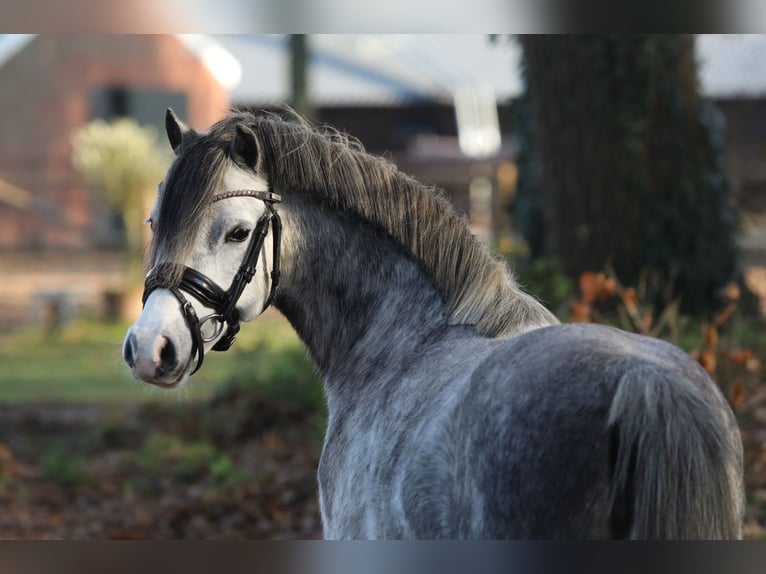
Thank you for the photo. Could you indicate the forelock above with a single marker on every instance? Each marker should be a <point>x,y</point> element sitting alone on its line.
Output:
<point>187,192</point>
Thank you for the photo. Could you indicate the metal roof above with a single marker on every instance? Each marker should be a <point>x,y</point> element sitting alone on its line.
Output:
<point>388,69</point>
<point>732,66</point>
<point>11,44</point>
<point>398,69</point>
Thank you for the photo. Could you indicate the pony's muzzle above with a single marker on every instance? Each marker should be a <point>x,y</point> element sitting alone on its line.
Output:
<point>151,361</point>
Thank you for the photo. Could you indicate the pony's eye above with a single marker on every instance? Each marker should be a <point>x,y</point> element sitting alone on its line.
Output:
<point>238,234</point>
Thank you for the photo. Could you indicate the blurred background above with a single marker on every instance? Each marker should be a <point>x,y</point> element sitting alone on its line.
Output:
<point>623,178</point>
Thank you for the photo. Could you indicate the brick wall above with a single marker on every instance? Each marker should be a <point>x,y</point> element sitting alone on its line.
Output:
<point>77,280</point>
<point>47,91</point>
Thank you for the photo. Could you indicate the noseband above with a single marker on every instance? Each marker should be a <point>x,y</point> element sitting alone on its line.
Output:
<point>207,292</point>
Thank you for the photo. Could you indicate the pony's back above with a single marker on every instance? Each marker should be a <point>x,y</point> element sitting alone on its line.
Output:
<point>591,432</point>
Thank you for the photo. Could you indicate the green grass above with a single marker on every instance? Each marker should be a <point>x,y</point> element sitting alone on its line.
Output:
<point>82,363</point>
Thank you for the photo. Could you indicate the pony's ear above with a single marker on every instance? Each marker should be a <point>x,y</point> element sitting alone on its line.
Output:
<point>244,148</point>
<point>175,129</point>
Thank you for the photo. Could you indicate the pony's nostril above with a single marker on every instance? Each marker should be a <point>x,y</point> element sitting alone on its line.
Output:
<point>128,352</point>
<point>168,358</point>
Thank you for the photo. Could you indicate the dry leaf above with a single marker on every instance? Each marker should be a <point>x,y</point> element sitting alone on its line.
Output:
<point>271,441</point>
<point>707,359</point>
<point>590,286</point>
<point>722,317</point>
<point>740,357</point>
<point>580,312</point>
<point>737,394</point>
<point>731,292</point>
<point>646,322</point>
<point>608,289</point>
<point>630,299</point>
<point>6,458</point>
<point>710,338</point>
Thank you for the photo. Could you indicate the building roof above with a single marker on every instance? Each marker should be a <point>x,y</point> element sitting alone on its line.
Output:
<point>733,65</point>
<point>11,44</point>
<point>397,69</point>
<point>390,69</point>
<point>219,61</point>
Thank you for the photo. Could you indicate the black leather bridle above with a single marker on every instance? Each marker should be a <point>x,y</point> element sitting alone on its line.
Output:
<point>207,292</point>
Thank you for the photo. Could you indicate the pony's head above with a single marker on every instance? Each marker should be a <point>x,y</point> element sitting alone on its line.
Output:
<point>211,254</point>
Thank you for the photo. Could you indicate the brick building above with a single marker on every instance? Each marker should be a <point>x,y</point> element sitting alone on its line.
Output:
<point>53,85</point>
<point>53,229</point>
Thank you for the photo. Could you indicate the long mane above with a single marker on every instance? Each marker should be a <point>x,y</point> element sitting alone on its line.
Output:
<point>477,288</point>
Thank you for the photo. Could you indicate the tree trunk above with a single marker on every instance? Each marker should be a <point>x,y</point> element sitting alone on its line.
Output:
<point>624,159</point>
<point>299,60</point>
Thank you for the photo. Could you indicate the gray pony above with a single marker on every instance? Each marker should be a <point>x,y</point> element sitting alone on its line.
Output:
<point>458,406</point>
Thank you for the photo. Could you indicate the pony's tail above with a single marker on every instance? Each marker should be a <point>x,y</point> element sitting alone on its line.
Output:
<point>677,459</point>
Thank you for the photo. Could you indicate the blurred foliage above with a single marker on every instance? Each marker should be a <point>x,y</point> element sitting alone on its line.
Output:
<point>527,206</point>
<point>542,277</point>
<point>276,371</point>
<point>60,463</point>
<point>125,162</point>
<point>122,158</point>
<point>621,164</point>
<point>272,363</point>
<point>187,461</point>
<point>730,346</point>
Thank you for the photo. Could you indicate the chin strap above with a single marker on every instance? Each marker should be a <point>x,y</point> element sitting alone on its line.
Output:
<point>207,291</point>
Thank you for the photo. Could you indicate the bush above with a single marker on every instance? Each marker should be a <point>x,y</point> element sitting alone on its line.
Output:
<point>727,346</point>
<point>61,464</point>
<point>187,461</point>
<point>542,277</point>
<point>277,371</point>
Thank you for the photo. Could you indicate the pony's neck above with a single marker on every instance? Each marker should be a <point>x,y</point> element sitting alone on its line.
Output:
<point>476,290</point>
<point>354,297</point>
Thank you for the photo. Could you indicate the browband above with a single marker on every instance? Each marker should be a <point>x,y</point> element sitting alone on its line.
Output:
<point>268,196</point>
